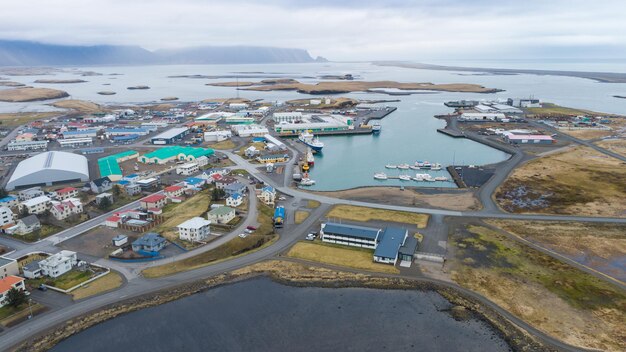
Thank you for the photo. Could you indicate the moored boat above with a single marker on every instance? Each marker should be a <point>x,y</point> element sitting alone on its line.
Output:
<point>307,182</point>
<point>404,178</point>
<point>441,178</point>
<point>403,166</point>
<point>311,141</point>
<point>376,128</point>
<point>380,176</point>
<point>391,166</point>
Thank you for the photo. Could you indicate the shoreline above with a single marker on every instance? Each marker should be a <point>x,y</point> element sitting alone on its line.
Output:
<point>291,274</point>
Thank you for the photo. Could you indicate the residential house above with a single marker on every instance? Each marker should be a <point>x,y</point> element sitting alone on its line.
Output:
<point>27,225</point>
<point>234,200</point>
<point>8,267</point>
<point>194,182</point>
<point>65,209</point>
<point>58,264</point>
<point>174,191</point>
<point>154,201</point>
<point>37,205</point>
<point>221,215</point>
<point>194,229</point>
<point>9,201</point>
<point>233,188</point>
<point>66,193</point>
<point>272,158</point>
<point>31,270</point>
<point>100,197</point>
<point>6,216</point>
<point>187,169</point>
<point>120,240</point>
<point>30,193</point>
<point>224,181</point>
<point>132,189</point>
<point>267,195</point>
<point>150,242</point>
<point>100,185</point>
<point>251,152</point>
<point>7,284</point>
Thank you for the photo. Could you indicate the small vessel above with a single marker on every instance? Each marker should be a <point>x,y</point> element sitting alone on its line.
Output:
<point>436,166</point>
<point>309,157</point>
<point>425,165</point>
<point>403,166</point>
<point>307,182</point>
<point>391,166</point>
<point>380,176</point>
<point>429,179</point>
<point>404,178</point>
<point>441,178</point>
<point>305,167</point>
<point>414,167</point>
<point>311,141</point>
<point>421,177</point>
<point>376,128</point>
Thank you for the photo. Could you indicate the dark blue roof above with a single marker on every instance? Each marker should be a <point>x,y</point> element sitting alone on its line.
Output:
<point>7,199</point>
<point>235,186</point>
<point>390,242</point>
<point>150,239</point>
<point>351,230</point>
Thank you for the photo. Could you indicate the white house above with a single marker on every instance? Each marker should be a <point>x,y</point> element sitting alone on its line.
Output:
<point>234,200</point>
<point>6,216</point>
<point>37,205</point>
<point>66,193</point>
<point>221,215</point>
<point>7,284</point>
<point>30,193</point>
<point>63,210</point>
<point>8,267</point>
<point>267,195</point>
<point>58,264</point>
<point>188,169</point>
<point>194,230</point>
<point>26,225</point>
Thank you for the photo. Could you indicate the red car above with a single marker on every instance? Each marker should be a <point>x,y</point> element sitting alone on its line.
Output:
<point>251,228</point>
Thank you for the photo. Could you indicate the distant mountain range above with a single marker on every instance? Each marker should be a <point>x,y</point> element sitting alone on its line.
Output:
<point>26,53</point>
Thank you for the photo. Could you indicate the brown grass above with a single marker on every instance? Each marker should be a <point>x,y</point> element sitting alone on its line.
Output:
<point>300,216</point>
<point>108,282</point>
<point>223,145</point>
<point>175,214</point>
<point>363,214</point>
<point>356,258</point>
<point>20,95</point>
<point>578,181</point>
<point>615,145</point>
<point>21,118</point>
<point>78,105</point>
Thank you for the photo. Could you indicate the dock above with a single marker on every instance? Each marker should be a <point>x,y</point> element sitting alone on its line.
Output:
<point>451,133</point>
<point>456,177</point>
<point>379,114</point>
<point>356,131</point>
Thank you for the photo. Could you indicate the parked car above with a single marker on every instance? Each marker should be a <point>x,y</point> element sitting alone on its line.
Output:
<point>42,287</point>
<point>251,228</point>
<point>310,237</point>
<point>248,231</point>
<point>243,235</point>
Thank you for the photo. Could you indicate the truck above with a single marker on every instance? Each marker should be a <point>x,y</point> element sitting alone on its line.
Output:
<point>279,216</point>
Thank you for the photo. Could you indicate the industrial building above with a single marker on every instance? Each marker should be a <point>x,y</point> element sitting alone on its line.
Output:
<point>15,145</point>
<point>109,166</point>
<point>390,244</point>
<point>289,117</point>
<point>163,155</point>
<point>278,143</point>
<point>528,139</point>
<point>170,136</point>
<point>49,168</point>
<point>249,130</point>
<point>316,123</point>
<point>79,134</point>
<point>477,116</point>
<point>76,142</point>
<point>217,136</point>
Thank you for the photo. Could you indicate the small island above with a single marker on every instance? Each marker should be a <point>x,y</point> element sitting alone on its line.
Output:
<point>11,84</point>
<point>60,81</point>
<point>106,92</point>
<point>21,95</point>
<point>620,96</point>
<point>138,87</point>
<point>169,99</point>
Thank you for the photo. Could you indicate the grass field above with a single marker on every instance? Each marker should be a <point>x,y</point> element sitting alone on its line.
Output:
<point>578,181</point>
<point>554,297</point>
<point>262,237</point>
<point>21,118</point>
<point>223,145</point>
<point>13,315</point>
<point>257,145</point>
<point>46,230</point>
<point>108,282</point>
<point>175,214</point>
<point>355,213</point>
<point>615,145</point>
<point>313,204</point>
<point>351,257</point>
<point>78,105</point>
<point>300,216</point>
<point>19,95</point>
<point>557,110</point>
<point>65,281</point>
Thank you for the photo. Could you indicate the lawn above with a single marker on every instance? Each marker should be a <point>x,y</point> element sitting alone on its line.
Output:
<point>553,109</point>
<point>351,257</point>
<point>108,282</point>
<point>261,238</point>
<point>312,204</point>
<point>223,145</point>
<point>45,231</point>
<point>65,281</point>
<point>177,213</point>
<point>364,214</point>
<point>10,316</point>
<point>257,145</point>
<point>301,215</point>
<point>552,296</point>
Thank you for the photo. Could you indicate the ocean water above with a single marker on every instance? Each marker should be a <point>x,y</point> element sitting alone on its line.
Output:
<point>260,315</point>
<point>409,134</point>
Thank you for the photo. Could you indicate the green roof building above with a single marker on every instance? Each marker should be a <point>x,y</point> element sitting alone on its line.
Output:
<point>163,155</point>
<point>109,165</point>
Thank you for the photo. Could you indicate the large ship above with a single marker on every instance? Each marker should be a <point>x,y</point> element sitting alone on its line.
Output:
<point>311,141</point>
<point>461,104</point>
<point>376,127</point>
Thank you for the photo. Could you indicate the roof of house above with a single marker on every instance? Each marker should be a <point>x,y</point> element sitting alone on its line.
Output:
<point>221,211</point>
<point>100,181</point>
<point>235,186</point>
<point>173,188</point>
<point>410,246</point>
<point>351,230</point>
<point>114,218</point>
<point>150,239</point>
<point>235,196</point>
<point>119,237</point>
<point>32,266</point>
<point>390,242</point>
<point>7,199</point>
<point>8,282</point>
<point>195,223</point>
<point>30,220</point>
<point>193,180</point>
<point>4,261</point>
<point>66,190</point>
<point>268,189</point>
<point>227,180</point>
<point>37,200</point>
<point>153,198</point>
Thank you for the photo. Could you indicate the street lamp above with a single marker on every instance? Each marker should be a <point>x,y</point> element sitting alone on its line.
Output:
<point>30,309</point>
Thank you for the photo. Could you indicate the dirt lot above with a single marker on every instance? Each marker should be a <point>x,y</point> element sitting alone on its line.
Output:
<point>588,133</point>
<point>455,200</point>
<point>615,145</point>
<point>98,241</point>
<point>554,297</point>
<point>598,246</point>
<point>578,181</point>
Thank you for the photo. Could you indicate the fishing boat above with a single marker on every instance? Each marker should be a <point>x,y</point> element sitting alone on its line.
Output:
<point>307,182</point>
<point>391,166</point>
<point>309,157</point>
<point>403,166</point>
<point>404,178</point>
<point>380,176</point>
<point>421,177</point>
<point>311,141</point>
<point>376,128</point>
<point>436,167</point>
<point>426,165</point>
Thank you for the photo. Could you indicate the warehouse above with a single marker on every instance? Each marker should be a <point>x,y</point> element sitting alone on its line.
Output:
<point>109,166</point>
<point>49,168</point>
<point>15,145</point>
<point>79,134</point>
<point>163,155</point>
<point>476,116</point>
<point>170,136</point>
<point>350,235</point>
<point>528,139</point>
<point>389,244</point>
<point>290,117</point>
<point>126,131</point>
<point>316,123</point>
<point>249,130</point>
<point>271,139</point>
<point>217,136</point>
<point>76,142</point>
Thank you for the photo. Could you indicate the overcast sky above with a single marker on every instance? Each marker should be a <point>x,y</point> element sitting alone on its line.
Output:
<point>338,30</point>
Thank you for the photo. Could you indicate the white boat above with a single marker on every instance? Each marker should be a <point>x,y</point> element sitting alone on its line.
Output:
<point>376,128</point>
<point>421,177</point>
<point>441,178</point>
<point>404,178</point>
<point>391,166</point>
<point>429,179</point>
<point>311,141</point>
<point>307,182</point>
<point>414,167</point>
<point>380,176</point>
<point>436,167</point>
<point>403,166</point>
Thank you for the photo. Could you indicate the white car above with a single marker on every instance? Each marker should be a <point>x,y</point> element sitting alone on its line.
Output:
<point>310,237</point>
<point>243,235</point>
